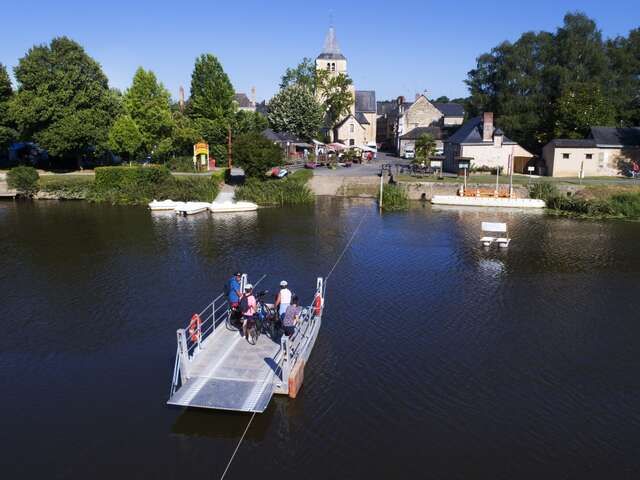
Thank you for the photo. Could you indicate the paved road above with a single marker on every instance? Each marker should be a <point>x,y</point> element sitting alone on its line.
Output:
<point>361,170</point>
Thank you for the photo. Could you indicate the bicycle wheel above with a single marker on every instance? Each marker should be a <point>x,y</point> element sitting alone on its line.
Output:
<point>253,334</point>
<point>229,320</point>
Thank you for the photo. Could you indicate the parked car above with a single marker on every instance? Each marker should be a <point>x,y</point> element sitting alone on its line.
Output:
<point>409,153</point>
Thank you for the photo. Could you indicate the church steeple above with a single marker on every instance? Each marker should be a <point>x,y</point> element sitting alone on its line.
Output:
<point>331,50</point>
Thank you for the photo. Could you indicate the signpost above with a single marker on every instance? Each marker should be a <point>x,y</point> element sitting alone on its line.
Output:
<point>464,166</point>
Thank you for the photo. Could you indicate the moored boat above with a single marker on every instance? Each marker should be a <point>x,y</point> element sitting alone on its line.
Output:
<point>230,206</point>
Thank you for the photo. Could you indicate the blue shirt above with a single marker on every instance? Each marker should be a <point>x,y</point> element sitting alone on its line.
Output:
<point>234,288</point>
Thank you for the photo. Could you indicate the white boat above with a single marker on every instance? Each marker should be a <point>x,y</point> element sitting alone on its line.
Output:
<point>157,206</point>
<point>191,208</point>
<point>488,201</point>
<point>229,206</point>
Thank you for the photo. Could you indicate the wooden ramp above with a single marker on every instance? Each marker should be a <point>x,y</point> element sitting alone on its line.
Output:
<point>228,373</point>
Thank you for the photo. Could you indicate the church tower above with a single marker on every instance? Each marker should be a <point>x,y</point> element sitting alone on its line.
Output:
<point>331,59</point>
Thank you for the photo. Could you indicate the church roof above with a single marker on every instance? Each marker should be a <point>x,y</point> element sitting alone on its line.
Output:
<point>366,101</point>
<point>331,48</point>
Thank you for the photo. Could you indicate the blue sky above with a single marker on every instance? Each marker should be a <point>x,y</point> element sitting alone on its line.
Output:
<point>395,48</point>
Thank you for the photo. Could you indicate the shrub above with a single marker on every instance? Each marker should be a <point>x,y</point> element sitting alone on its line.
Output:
<point>184,189</point>
<point>543,190</point>
<point>288,191</point>
<point>67,187</point>
<point>180,164</point>
<point>394,198</point>
<point>130,185</point>
<point>255,154</point>
<point>24,179</point>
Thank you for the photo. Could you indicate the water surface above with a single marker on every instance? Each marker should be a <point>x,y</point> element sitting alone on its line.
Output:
<point>436,359</point>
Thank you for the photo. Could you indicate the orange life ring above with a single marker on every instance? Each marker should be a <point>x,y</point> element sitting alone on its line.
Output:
<point>317,303</point>
<point>194,327</point>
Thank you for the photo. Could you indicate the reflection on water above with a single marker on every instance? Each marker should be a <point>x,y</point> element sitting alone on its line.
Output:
<point>435,354</point>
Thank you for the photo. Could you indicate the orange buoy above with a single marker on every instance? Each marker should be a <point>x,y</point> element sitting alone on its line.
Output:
<point>194,327</point>
<point>317,304</point>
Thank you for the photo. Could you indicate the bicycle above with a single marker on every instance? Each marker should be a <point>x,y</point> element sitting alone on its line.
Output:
<point>263,321</point>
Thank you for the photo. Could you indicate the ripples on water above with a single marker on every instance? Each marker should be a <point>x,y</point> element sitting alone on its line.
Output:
<point>437,358</point>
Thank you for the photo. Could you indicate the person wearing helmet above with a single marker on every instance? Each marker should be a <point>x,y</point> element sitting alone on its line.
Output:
<point>247,307</point>
<point>283,300</point>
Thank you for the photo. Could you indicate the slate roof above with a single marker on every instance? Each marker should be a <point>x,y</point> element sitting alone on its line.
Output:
<point>414,134</point>
<point>344,120</point>
<point>366,101</point>
<point>612,136</point>
<point>243,100</point>
<point>450,109</point>
<point>572,143</point>
<point>282,137</point>
<point>471,133</point>
<point>362,120</point>
<point>386,107</point>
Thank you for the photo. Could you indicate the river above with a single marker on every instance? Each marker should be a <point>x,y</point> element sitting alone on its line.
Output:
<point>436,359</point>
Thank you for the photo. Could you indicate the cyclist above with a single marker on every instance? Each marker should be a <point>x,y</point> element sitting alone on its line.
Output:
<point>247,308</point>
<point>283,300</point>
<point>291,317</point>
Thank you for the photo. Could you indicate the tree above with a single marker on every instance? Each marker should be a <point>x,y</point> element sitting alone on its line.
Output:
<point>295,109</point>
<point>425,147</point>
<point>249,122</point>
<point>184,135</point>
<point>8,134</point>
<point>148,104</point>
<point>125,138</point>
<point>211,104</point>
<point>304,75</point>
<point>63,100</point>
<point>255,154</point>
<point>581,106</point>
<point>335,94</point>
<point>442,99</point>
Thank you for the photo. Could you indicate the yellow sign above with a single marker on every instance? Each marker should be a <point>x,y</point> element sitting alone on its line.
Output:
<point>201,149</point>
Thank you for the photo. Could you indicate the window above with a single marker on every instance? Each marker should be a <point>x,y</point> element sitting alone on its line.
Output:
<point>352,142</point>
<point>588,156</point>
<point>328,66</point>
<point>352,128</point>
<point>333,67</point>
<point>565,156</point>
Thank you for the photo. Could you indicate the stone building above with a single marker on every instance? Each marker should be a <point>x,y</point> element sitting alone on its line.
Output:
<point>398,120</point>
<point>359,126</point>
<point>482,145</point>
<point>607,151</point>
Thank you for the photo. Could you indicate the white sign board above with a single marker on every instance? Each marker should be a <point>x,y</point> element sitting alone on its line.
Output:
<point>531,169</point>
<point>436,163</point>
<point>494,227</point>
<point>463,165</point>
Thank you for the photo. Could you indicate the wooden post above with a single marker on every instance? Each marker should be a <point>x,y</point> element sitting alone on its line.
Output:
<point>381,188</point>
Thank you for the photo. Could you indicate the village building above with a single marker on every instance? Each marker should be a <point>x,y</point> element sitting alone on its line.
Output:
<point>358,127</point>
<point>243,102</point>
<point>481,145</point>
<point>400,123</point>
<point>607,151</point>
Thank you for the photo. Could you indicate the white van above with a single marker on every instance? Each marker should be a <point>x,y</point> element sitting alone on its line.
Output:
<point>409,153</point>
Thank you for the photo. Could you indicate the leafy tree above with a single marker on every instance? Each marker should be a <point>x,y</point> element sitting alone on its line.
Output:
<point>184,135</point>
<point>304,75</point>
<point>580,107</point>
<point>8,134</point>
<point>148,104</point>
<point>336,95</point>
<point>624,55</point>
<point>246,122</point>
<point>425,147</point>
<point>295,109</point>
<point>125,138</point>
<point>211,104</point>
<point>63,100</point>
<point>255,154</point>
<point>442,99</point>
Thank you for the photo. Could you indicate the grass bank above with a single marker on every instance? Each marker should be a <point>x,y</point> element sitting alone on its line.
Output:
<point>292,190</point>
<point>595,202</point>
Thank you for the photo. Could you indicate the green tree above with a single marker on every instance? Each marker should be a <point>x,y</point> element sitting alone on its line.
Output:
<point>581,106</point>
<point>255,154</point>
<point>442,99</point>
<point>295,109</point>
<point>211,104</point>
<point>148,104</point>
<point>247,122</point>
<point>63,101</point>
<point>425,147</point>
<point>125,138</point>
<point>335,92</point>
<point>185,134</point>
<point>24,179</point>
<point>8,134</point>
<point>304,75</point>
<point>624,55</point>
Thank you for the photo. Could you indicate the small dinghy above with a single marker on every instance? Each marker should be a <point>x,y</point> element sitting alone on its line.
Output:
<point>191,208</point>
<point>157,206</point>
<point>229,206</point>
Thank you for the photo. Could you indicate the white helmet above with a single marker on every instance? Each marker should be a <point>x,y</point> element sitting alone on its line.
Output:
<point>248,286</point>
<point>283,283</point>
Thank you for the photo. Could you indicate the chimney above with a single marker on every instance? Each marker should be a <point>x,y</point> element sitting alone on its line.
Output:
<point>487,127</point>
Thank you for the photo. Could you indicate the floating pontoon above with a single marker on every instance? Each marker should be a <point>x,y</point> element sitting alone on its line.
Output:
<point>217,368</point>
